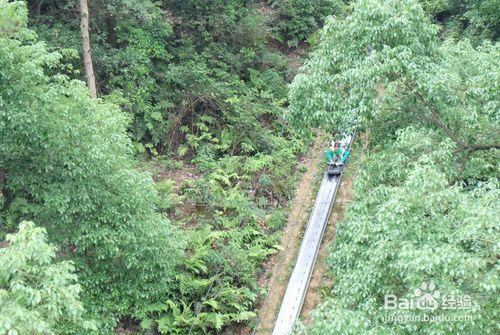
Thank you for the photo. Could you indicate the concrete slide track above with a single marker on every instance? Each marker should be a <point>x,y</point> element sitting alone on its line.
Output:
<point>301,275</point>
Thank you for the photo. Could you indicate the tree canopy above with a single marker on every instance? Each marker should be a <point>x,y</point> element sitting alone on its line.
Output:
<point>66,163</point>
<point>427,195</point>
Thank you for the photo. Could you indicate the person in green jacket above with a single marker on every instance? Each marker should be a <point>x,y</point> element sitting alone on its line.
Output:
<point>329,154</point>
<point>345,152</point>
<point>336,154</point>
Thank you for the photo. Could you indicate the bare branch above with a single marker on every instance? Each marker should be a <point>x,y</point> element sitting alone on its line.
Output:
<point>478,147</point>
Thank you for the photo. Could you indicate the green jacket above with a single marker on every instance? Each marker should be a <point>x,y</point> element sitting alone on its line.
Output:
<point>331,154</point>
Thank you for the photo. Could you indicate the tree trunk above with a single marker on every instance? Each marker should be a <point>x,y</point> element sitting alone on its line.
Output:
<point>87,58</point>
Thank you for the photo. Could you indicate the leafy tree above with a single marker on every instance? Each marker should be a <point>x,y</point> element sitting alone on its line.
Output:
<point>68,157</point>
<point>407,226</point>
<point>388,54</point>
<point>128,52</point>
<point>37,294</point>
<point>427,196</point>
<point>373,45</point>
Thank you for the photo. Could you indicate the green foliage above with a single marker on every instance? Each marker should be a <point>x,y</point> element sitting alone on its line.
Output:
<point>396,73</point>
<point>68,156</point>
<point>170,69</point>
<point>238,210</point>
<point>168,199</point>
<point>233,210</point>
<point>12,18</point>
<point>198,86</point>
<point>407,226</point>
<point>129,58</point>
<point>427,195</point>
<point>298,19</point>
<point>474,19</point>
<point>37,294</point>
<point>378,42</point>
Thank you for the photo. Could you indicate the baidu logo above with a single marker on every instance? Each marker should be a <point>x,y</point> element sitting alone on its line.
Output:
<point>427,297</point>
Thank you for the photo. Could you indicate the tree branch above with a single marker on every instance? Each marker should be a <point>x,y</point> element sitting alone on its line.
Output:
<point>436,120</point>
<point>478,147</point>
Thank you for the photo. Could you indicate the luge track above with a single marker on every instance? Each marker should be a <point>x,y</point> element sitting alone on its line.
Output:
<point>299,280</point>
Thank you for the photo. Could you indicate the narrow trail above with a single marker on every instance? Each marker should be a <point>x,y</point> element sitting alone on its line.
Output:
<point>279,267</point>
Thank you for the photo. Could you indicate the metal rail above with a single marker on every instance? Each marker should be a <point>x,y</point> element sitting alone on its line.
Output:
<point>296,290</point>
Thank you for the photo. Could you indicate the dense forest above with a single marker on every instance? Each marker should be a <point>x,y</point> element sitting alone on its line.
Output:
<point>149,151</point>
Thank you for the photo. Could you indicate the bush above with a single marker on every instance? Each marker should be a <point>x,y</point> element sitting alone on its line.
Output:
<point>38,295</point>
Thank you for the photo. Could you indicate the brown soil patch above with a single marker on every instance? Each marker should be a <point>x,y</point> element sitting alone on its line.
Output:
<point>179,174</point>
<point>321,281</point>
<point>278,267</point>
<point>266,10</point>
<point>178,177</point>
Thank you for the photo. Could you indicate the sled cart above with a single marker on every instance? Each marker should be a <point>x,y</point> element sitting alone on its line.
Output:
<point>334,169</point>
